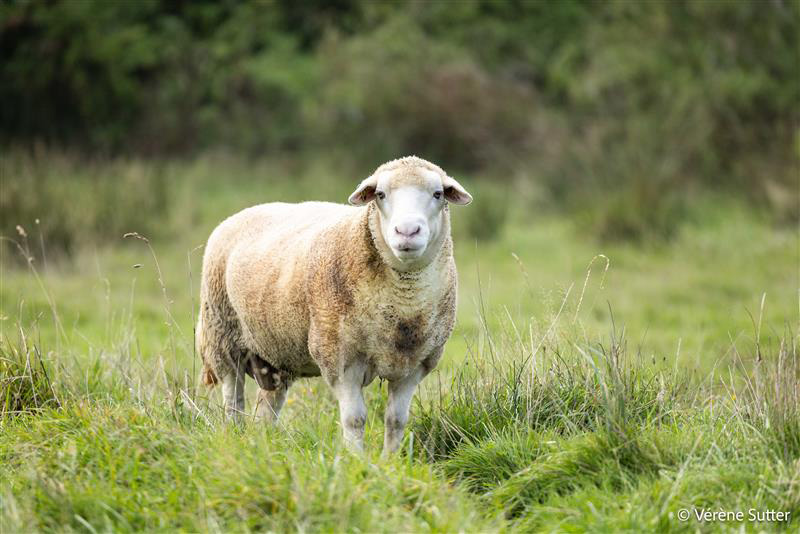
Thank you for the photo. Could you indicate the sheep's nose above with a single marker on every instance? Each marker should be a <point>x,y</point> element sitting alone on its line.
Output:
<point>407,229</point>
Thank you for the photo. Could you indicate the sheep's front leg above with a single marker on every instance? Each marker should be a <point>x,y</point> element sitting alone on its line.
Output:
<point>352,409</point>
<point>400,395</point>
<point>270,402</point>
<point>233,392</point>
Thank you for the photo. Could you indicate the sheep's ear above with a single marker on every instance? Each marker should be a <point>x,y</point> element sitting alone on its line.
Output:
<point>454,193</point>
<point>365,192</point>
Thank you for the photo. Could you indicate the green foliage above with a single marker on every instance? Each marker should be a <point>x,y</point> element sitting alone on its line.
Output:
<point>396,90</point>
<point>147,76</point>
<point>589,97</point>
<point>667,96</point>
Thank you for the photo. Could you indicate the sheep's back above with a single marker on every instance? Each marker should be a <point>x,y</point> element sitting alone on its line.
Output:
<point>266,272</point>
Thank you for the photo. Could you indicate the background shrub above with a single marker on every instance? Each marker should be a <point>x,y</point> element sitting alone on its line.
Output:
<point>395,91</point>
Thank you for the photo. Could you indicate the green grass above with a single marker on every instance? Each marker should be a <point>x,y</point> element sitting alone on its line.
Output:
<point>588,438</point>
<point>563,403</point>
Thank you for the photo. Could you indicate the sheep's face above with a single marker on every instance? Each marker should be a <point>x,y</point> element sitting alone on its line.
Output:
<point>410,202</point>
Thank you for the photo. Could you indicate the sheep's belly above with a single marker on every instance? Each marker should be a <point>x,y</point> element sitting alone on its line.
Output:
<point>284,348</point>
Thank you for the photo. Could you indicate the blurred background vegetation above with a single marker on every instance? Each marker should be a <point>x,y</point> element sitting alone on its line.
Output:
<point>618,111</point>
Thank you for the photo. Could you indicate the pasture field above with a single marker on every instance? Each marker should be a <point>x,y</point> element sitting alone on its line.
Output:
<point>589,386</point>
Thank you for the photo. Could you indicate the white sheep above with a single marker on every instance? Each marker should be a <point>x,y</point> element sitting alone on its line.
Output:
<point>349,293</point>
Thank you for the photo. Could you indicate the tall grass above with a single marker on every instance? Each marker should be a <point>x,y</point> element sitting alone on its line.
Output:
<point>553,385</point>
<point>25,379</point>
<point>769,400</point>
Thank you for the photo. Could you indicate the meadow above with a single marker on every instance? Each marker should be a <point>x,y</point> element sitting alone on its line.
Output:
<point>590,384</point>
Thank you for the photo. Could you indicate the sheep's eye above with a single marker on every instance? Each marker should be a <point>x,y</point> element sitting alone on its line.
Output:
<point>381,195</point>
<point>437,195</point>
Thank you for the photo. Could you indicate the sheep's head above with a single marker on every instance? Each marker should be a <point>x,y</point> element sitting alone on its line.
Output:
<point>410,195</point>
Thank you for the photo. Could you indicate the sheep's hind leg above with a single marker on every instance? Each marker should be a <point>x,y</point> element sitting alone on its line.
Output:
<point>273,387</point>
<point>270,402</point>
<point>233,392</point>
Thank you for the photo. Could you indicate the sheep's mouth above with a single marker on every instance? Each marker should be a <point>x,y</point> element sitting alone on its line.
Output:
<point>408,252</point>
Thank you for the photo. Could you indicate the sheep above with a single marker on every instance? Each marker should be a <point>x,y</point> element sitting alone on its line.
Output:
<point>343,292</point>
